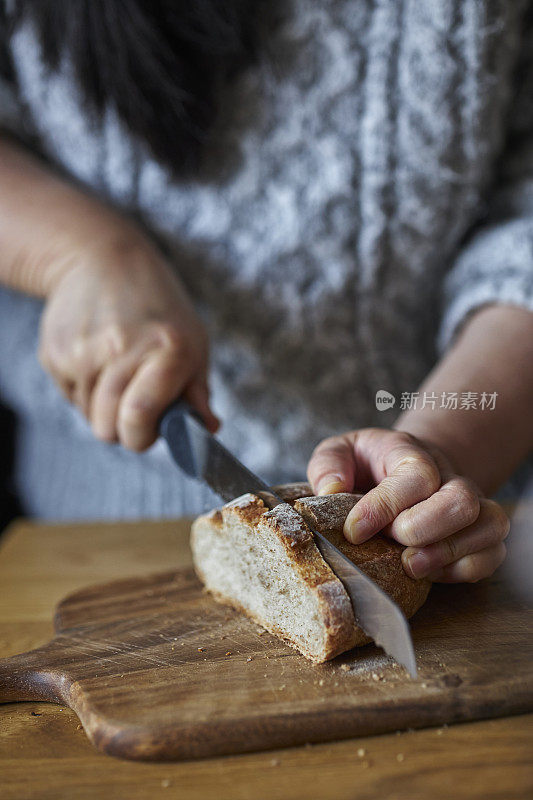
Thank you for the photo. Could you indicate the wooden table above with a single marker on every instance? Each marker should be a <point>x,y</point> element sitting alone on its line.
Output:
<point>44,752</point>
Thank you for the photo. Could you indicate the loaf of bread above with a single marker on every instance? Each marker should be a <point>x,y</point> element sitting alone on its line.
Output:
<point>265,563</point>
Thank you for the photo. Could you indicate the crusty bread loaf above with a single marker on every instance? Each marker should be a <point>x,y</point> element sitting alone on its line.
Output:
<point>266,563</point>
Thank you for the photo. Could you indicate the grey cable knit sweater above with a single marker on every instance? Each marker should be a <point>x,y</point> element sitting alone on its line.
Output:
<point>364,196</point>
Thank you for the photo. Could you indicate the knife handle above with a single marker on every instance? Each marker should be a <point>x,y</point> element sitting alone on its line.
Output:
<point>173,428</point>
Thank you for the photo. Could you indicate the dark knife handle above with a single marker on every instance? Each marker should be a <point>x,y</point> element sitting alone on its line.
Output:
<point>173,428</point>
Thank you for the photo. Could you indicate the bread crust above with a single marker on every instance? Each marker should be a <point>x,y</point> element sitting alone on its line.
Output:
<point>380,558</point>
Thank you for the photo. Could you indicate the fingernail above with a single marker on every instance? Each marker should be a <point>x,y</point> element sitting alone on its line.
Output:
<point>418,565</point>
<point>330,487</point>
<point>357,529</point>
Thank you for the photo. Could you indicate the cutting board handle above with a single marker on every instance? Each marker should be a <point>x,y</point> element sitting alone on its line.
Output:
<point>31,676</point>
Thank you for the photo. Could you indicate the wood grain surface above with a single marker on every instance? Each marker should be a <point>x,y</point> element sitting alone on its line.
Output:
<point>156,670</point>
<point>44,752</point>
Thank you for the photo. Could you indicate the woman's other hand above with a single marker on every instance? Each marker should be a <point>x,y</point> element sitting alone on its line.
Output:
<point>451,532</point>
<point>118,334</point>
<point>122,340</point>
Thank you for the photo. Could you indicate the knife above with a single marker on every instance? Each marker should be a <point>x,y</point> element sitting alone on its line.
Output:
<point>201,455</point>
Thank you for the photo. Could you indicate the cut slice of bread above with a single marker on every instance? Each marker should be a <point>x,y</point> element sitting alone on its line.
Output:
<point>265,562</point>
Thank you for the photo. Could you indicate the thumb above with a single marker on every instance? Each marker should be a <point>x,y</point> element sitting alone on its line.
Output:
<point>331,468</point>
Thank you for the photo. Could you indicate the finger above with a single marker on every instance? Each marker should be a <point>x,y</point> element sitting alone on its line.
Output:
<point>473,567</point>
<point>331,468</point>
<point>76,368</point>
<point>411,476</point>
<point>65,387</point>
<point>81,395</point>
<point>197,395</point>
<point>158,380</point>
<point>113,380</point>
<point>105,399</point>
<point>124,357</point>
<point>453,507</point>
<point>75,391</point>
<point>490,528</point>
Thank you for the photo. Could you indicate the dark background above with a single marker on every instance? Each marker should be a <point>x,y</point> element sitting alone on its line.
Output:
<point>9,507</point>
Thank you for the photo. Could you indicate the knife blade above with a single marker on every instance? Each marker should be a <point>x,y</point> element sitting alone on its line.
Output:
<point>201,455</point>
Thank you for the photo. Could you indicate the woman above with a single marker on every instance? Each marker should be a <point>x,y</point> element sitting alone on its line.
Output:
<point>334,206</point>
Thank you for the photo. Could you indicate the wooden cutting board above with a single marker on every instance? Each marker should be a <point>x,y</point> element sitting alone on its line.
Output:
<point>156,670</point>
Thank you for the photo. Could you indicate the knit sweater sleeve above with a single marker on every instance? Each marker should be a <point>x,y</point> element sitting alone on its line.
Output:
<point>495,263</point>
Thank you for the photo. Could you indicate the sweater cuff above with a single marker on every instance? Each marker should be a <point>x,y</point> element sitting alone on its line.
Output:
<point>516,290</point>
<point>497,268</point>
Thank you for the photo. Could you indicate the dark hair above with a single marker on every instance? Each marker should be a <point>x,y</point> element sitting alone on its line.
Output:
<point>159,63</point>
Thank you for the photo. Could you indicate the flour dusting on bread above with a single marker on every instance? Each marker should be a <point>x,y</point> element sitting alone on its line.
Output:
<point>265,562</point>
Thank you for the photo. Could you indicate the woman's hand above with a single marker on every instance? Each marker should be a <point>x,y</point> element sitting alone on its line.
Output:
<point>122,340</point>
<point>451,532</point>
<point>118,334</point>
